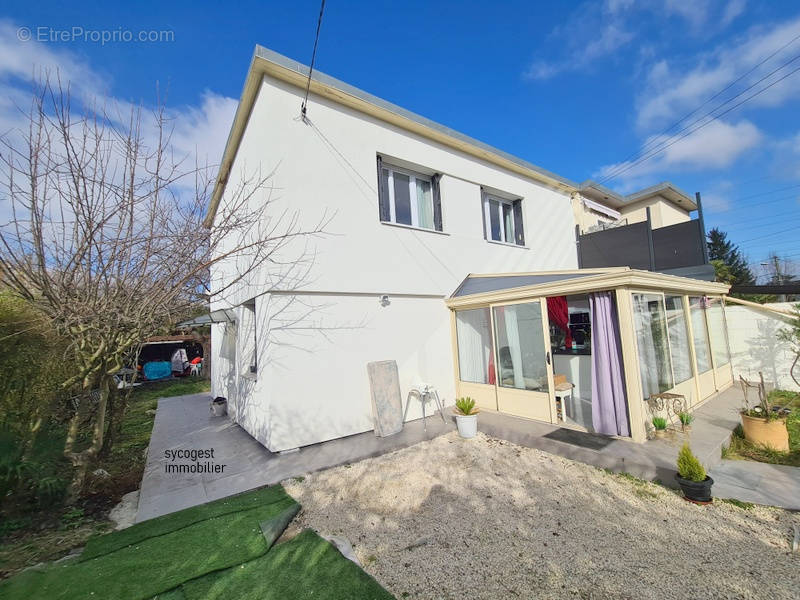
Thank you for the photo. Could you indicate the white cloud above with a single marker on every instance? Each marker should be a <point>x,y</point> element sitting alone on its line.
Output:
<point>671,90</point>
<point>695,12</point>
<point>595,31</point>
<point>202,131</point>
<point>716,203</point>
<point>787,157</point>
<point>732,10</point>
<point>588,35</point>
<point>199,132</point>
<point>717,145</point>
<point>199,128</point>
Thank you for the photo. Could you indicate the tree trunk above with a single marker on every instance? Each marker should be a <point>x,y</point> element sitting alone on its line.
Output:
<point>82,460</point>
<point>117,406</point>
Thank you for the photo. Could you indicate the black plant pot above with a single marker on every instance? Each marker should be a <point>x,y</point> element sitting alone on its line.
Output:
<point>696,491</point>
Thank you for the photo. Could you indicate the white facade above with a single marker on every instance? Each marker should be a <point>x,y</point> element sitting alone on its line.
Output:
<point>662,212</point>
<point>310,383</point>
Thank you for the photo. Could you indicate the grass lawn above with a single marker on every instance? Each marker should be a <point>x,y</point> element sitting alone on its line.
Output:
<point>27,538</point>
<point>126,461</point>
<point>741,449</point>
<point>222,549</point>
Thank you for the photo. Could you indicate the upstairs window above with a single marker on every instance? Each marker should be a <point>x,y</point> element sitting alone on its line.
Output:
<point>502,220</point>
<point>409,198</point>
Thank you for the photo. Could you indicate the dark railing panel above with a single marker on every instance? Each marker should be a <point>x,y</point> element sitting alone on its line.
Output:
<point>678,246</point>
<point>619,247</point>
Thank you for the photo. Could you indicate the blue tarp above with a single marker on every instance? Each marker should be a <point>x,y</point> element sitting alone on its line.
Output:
<point>157,370</point>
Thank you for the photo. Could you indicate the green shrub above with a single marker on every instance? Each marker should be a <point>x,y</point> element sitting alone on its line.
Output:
<point>689,466</point>
<point>33,363</point>
<point>660,423</point>
<point>685,418</point>
<point>466,406</point>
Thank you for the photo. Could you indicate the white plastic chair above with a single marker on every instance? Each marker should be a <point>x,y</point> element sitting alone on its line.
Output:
<point>424,394</point>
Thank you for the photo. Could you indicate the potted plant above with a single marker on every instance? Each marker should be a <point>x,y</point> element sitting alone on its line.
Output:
<point>660,425</point>
<point>692,477</point>
<point>686,419</point>
<point>466,417</point>
<point>762,424</point>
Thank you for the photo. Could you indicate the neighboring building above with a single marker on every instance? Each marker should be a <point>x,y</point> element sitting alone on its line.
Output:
<point>651,229</point>
<point>597,207</point>
<point>415,207</point>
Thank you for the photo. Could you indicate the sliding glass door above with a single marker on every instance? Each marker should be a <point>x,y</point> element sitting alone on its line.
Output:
<point>524,373</point>
<point>476,371</point>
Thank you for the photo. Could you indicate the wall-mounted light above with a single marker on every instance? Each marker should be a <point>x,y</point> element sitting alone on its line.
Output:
<point>384,300</point>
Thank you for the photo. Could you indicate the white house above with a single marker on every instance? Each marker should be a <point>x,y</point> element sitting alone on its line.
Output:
<point>415,207</point>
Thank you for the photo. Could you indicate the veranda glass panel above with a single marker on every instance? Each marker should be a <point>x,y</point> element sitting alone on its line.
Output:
<point>678,339</point>
<point>700,333</point>
<point>521,361</point>
<point>651,337</point>
<point>402,199</point>
<point>474,336</point>
<point>719,332</point>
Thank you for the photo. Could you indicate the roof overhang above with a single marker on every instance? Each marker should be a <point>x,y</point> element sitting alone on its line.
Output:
<point>666,190</point>
<point>671,193</point>
<point>268,63</point>
<point>622,277</point>
<point>225,315</point>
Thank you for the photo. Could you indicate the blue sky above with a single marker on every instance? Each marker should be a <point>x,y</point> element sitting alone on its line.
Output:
<point>577,88</point>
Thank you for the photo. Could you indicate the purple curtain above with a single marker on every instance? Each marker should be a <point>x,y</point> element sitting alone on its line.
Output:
<point>609,405</point>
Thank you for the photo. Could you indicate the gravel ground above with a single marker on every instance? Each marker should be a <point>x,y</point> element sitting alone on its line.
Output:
<point>484,518</point>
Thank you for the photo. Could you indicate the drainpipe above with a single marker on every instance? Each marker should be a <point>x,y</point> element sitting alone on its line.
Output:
<point>578,244</point>
<point>650,241</point>
<point>702,223</point>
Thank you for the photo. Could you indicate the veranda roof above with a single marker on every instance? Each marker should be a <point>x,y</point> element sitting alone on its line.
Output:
<point>482,289</point>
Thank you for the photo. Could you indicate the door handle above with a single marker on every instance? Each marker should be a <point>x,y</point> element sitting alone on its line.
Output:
<point>547,356</point>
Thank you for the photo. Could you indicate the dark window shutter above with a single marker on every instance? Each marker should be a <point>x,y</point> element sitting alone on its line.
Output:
<point>437,202</point>
<point>384,211</point>
<point>520,231</point>
<point>483,212</point>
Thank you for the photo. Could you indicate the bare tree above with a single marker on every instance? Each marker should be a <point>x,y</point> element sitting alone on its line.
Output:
<point>106,238</point>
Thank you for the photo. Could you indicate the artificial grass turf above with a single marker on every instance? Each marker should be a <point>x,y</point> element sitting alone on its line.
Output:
<point>164,524</point>
<point>305,567</point>
<point>157,564</point>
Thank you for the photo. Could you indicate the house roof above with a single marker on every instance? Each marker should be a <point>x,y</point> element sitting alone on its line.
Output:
<point>483,289</point>
<point>665,189</point>
<point>477,284</point>
<point>268,62</point>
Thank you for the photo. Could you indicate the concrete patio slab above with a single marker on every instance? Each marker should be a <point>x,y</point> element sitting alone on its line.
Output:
<point>655,459</point>
<point>759,483</point>
<point>185,423</point>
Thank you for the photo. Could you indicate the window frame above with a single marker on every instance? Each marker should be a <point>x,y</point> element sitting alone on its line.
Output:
<point>248,360</point>
<point>488,198</point>
<point>413,176</point>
